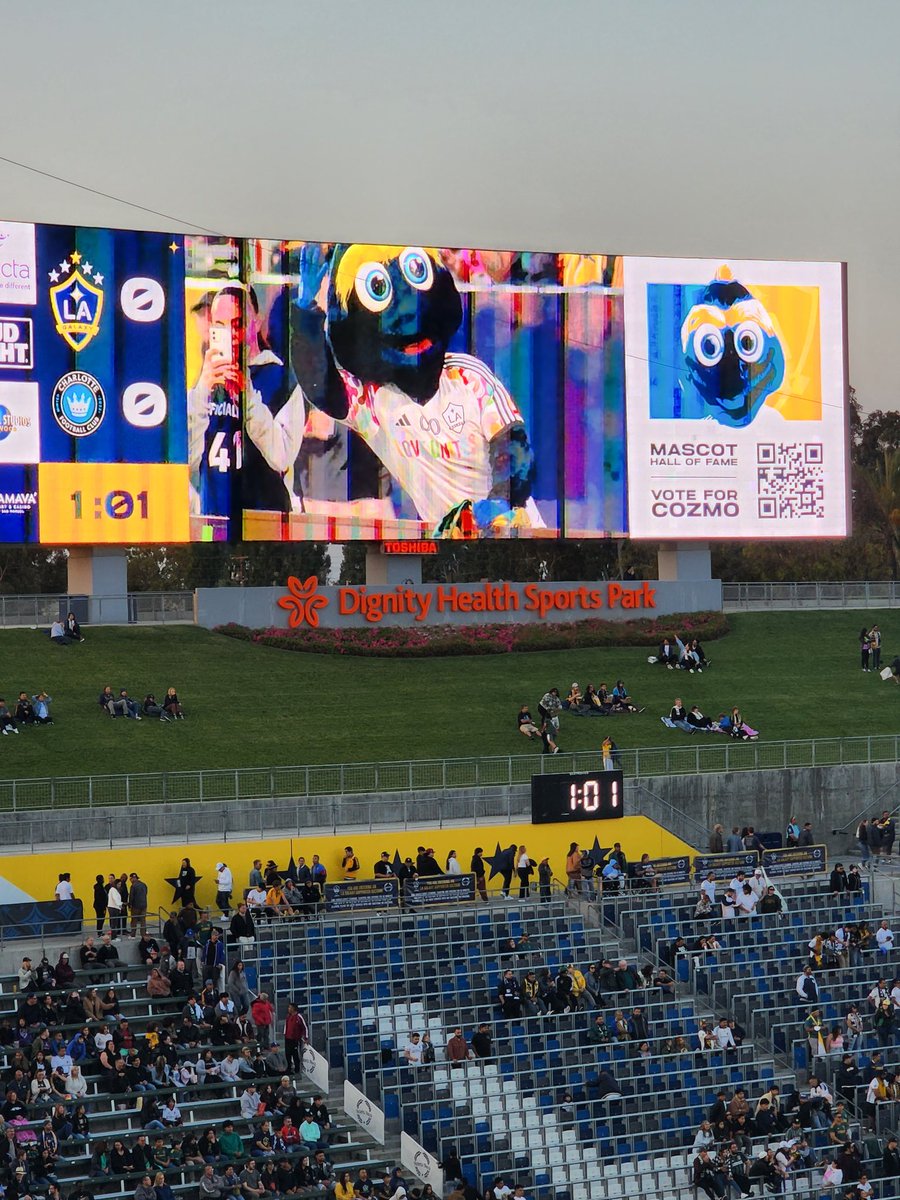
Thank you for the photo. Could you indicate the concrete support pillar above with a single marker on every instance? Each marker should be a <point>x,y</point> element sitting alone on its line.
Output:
<point>100,573</point>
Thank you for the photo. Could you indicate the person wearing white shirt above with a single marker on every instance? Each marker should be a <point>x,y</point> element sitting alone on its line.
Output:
<point>758,883</point>
<point>833,1175</point>
<point>723,1036</point>
<point>709,887</point>
<point>64,889</point>
<point>884,937</point>
<point>256,898</point>
<point>453,867</point>
<point>102,1039</point>
<point>224,888</point>
<point>170,1113</point>
<point>114,909</point>
<point>747,900</point>
<point>729,906</point>
<point>878,993</point>
<point>413,1050</point>
<point>737,884</point>
<point>62,1062</point>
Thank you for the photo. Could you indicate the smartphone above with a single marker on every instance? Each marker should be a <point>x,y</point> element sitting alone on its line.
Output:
<point>220,341</point>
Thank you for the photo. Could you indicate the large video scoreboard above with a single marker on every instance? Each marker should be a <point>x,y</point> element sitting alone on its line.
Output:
<point>162,388</point>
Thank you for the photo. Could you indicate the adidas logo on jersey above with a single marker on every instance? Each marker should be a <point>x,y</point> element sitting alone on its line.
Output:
<point>404,420</point>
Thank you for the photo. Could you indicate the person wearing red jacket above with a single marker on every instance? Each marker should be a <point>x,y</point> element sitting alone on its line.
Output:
<point>262,1014</point>
<point>295,1033</point>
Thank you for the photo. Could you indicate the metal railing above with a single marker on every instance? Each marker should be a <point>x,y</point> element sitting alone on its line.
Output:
<point>434,775</point>
<point>133,608</point>
<point>862,594</point>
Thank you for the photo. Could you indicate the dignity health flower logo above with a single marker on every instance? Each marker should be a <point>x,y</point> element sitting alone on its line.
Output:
<point>303,602</point>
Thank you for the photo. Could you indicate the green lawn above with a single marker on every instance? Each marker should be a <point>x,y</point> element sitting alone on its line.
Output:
<point>793,674</point>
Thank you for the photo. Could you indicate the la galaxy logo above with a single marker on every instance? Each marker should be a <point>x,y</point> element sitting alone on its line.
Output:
<point>79,404</point>
<point>77,303</point>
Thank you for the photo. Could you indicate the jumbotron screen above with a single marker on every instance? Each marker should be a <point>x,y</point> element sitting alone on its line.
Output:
<point>159,388</point>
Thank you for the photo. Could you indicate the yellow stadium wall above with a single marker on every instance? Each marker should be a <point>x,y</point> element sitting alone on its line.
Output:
<point>36,874</point>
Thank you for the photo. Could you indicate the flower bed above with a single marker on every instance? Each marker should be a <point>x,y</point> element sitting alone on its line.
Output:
<point>423,641</point>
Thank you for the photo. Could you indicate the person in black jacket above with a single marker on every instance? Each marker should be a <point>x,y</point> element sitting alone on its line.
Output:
<point>242,925</point>
<point>507,868</point>
<point>100,902</point>
<point>187,883</point>
<point>708,1177</point>
<point>478,870</point>
<point>890,1159</point>
<point>510,995</point>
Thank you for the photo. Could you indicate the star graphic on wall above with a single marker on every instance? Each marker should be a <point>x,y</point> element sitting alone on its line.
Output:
<point>64,267</point>
<point>176,889</point>
<point>397,862</point>
<point>496,861</point>
<point>174,247</point>
<point>54,276</point>
<point>87,268</point>
<point>98,278</point>
<point>291,872</point>
<point>598,853</point>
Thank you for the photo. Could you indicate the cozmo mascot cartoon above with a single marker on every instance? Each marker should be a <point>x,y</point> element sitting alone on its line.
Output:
<point>732,354</point>
<point>441,423</point>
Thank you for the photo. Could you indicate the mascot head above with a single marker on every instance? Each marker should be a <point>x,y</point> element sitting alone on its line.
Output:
<point>733,355</point>
<point>392,311</point>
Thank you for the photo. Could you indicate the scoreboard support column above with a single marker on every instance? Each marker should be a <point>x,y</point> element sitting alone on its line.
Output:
<point>686,562</point>
<point>101,574</point>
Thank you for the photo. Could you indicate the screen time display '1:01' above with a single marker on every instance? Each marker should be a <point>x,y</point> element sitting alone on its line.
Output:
<point>585,796</point>
<point>118,505</point>
<point>114,503</point>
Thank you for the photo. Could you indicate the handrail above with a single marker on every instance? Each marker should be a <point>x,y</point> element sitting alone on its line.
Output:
<point>871,806</point>
<point>409,778</point>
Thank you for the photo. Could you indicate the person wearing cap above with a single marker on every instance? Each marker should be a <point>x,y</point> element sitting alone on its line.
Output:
<point>224,888</point>
<point>27,981</point>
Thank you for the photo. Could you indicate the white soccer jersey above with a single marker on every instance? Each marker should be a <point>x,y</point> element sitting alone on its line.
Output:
<point>437,451</point>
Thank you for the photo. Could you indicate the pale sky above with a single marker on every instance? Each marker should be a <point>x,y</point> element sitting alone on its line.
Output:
<point>705,127</point>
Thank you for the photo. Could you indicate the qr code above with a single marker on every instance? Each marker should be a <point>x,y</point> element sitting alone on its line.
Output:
<point>790,480</point>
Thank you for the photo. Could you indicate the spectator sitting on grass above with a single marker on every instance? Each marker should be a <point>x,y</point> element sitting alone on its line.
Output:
<point>526,724</point>
<point>131,708</point>
<point>73,629</point>
<point>24,710</point>
<point>58,634</point>
<point>107,700</point>
<point>150,708</point>
<point>696,719</point>
<point>7,723</point>
<point>172,705</point>
<point>622,702</point>
<point>42,704</point>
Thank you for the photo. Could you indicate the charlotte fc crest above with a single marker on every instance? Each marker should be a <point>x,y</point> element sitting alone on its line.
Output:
<point>77,303</point>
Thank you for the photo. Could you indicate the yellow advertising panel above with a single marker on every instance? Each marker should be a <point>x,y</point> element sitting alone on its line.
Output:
<point>158,865</point>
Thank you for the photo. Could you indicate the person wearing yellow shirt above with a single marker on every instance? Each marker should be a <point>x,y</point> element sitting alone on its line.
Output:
<point>579,988</point>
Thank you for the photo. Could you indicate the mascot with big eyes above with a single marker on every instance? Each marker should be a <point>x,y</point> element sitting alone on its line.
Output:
<point>441,423</point>
<point>732,353</point>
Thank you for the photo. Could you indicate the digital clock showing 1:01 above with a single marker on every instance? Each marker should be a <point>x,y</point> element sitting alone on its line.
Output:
<point>118,505</point>
<point>577,796</point>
